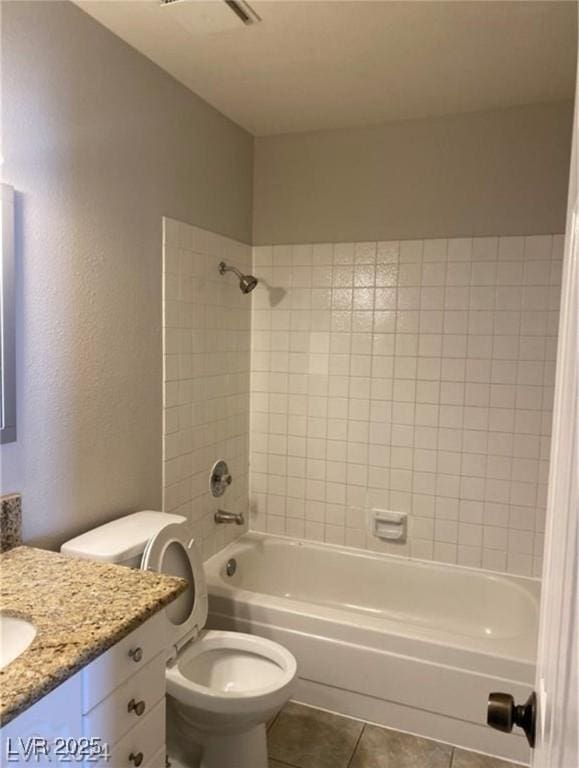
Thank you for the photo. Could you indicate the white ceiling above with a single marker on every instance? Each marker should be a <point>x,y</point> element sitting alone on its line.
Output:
<point>313,64</point>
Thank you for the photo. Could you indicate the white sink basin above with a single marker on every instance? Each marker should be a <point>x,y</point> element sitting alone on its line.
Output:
<point>15,637</point>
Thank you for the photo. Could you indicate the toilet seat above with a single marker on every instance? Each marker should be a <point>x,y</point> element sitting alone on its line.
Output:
<point>173,551</point>
<point>197,676</point>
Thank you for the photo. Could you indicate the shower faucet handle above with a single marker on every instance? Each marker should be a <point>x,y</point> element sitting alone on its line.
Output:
<point>224,479</point>
<point>220,478</point>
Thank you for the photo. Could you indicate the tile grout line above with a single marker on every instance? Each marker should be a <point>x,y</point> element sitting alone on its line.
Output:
<point>452,757</point>
<point>359,739</point>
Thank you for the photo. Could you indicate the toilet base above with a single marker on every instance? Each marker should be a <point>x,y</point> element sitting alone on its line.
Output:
<point>189,746</point>
<point>245,749</point>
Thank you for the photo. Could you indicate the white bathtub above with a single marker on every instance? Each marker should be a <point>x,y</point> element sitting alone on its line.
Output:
<point>412,645</point>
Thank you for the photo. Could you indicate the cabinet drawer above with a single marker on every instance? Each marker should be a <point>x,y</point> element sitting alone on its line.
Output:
<point>143,742</point>
<point>112,718</point>
<point>122,660</point>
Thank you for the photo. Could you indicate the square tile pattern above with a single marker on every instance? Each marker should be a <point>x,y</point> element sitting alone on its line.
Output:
<point>206,354</point>
<point>303,737</point>
<point>414,376</point>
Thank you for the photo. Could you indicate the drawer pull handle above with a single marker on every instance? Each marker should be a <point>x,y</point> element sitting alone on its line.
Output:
<point>138,707</point>
<point>136,654</point>
<point>136,759</point>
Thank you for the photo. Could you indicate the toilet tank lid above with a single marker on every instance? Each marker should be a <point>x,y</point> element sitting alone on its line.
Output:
<point>121,539</point>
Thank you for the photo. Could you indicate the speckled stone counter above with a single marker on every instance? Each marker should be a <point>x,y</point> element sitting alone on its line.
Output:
<point>80,609</point>
<point>10,521</point>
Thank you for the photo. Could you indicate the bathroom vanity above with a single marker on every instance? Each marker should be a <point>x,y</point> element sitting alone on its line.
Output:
<point>90,687</point>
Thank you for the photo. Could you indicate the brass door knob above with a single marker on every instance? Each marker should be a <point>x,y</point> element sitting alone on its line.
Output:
<point>503,714</point>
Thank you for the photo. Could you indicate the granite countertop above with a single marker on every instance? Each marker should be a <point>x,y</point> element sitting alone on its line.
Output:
<point>80,609</point>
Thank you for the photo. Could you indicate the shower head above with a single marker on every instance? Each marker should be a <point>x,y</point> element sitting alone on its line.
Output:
<point>246,282</point>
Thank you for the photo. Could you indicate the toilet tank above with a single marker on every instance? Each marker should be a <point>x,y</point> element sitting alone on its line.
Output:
<point>121,541</point>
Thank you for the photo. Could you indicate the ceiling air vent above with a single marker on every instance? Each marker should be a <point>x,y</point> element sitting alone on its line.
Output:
<point>209,14</point>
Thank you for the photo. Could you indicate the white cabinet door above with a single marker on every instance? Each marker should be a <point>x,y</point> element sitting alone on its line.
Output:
<point>33,738</point>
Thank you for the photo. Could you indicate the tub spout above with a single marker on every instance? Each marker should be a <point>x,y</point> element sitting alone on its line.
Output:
<point>221,516</point>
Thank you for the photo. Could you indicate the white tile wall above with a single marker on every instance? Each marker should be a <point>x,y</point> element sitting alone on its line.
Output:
<point>206,345</point>
<point>413,376</point>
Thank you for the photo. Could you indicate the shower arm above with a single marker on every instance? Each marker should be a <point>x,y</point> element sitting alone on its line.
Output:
<point>223,268</point>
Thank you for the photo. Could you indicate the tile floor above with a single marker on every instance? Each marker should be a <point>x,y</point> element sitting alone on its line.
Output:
<point>302,737</point>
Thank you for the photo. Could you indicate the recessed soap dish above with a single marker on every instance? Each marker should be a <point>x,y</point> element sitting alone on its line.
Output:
<point>388,525</point>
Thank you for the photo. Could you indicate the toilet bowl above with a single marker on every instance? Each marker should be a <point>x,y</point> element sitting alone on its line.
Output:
<point>222,687</point>
<point>243,677</point>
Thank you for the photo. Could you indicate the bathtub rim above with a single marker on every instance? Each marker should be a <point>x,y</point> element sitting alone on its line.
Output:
<point>373,555</point>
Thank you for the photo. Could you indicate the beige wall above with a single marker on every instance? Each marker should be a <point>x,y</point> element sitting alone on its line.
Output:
<point>491,173</point>
<point>99,144</point>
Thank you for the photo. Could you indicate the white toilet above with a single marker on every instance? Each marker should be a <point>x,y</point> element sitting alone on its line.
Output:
<point>222,686</point>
